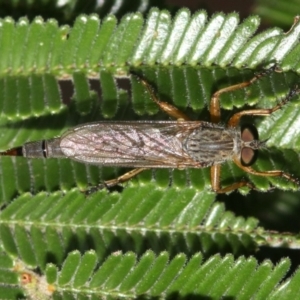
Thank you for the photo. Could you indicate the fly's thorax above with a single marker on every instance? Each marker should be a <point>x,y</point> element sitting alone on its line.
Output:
<point>213,145</point>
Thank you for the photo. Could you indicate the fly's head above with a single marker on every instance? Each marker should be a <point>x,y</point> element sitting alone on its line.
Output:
<point>250,144</point>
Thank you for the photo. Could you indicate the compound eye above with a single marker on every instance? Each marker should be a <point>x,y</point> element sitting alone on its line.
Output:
<point>249,133</point>
<point>248,155</point>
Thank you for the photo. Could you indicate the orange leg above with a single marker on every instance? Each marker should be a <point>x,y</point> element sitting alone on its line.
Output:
<point>215,110</point>
<point>164,106</point>
<point>215,173</point>
<point>110,183</point>
<point>235,119</point>
<point>272,173</point>
<point>123,178</point>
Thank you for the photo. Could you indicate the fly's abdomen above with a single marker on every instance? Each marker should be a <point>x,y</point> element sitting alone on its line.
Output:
<point>43,149</point>
<point>211,145</point>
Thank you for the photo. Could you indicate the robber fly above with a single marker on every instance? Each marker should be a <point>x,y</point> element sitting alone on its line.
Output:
<point>164,144</point>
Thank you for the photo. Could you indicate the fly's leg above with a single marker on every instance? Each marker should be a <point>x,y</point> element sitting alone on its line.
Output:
<point>215,173</point>
<point>123,178</point>
<point>272,173</point>
<point>110,183</point>
<point>235,119</point>
<point>215,110</point>
<point>164,106</point>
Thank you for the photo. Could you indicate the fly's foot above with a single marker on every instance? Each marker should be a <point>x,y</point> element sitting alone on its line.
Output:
<point>268,71</point>
<point>92,189</point>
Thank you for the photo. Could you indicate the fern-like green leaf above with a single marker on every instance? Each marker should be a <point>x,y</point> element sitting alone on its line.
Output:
<point>122,276</point>
<point>36,227</point>
<point>277,12</point>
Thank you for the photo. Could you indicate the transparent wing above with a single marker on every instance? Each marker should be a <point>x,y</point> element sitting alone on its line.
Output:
<point>131,144</point>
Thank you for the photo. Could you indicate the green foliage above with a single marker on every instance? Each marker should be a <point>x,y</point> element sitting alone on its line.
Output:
<point>278,12</point>
<point>66,11</point>
<point>139,218</point>
<point>123,276</point>
<point>71,246</point>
